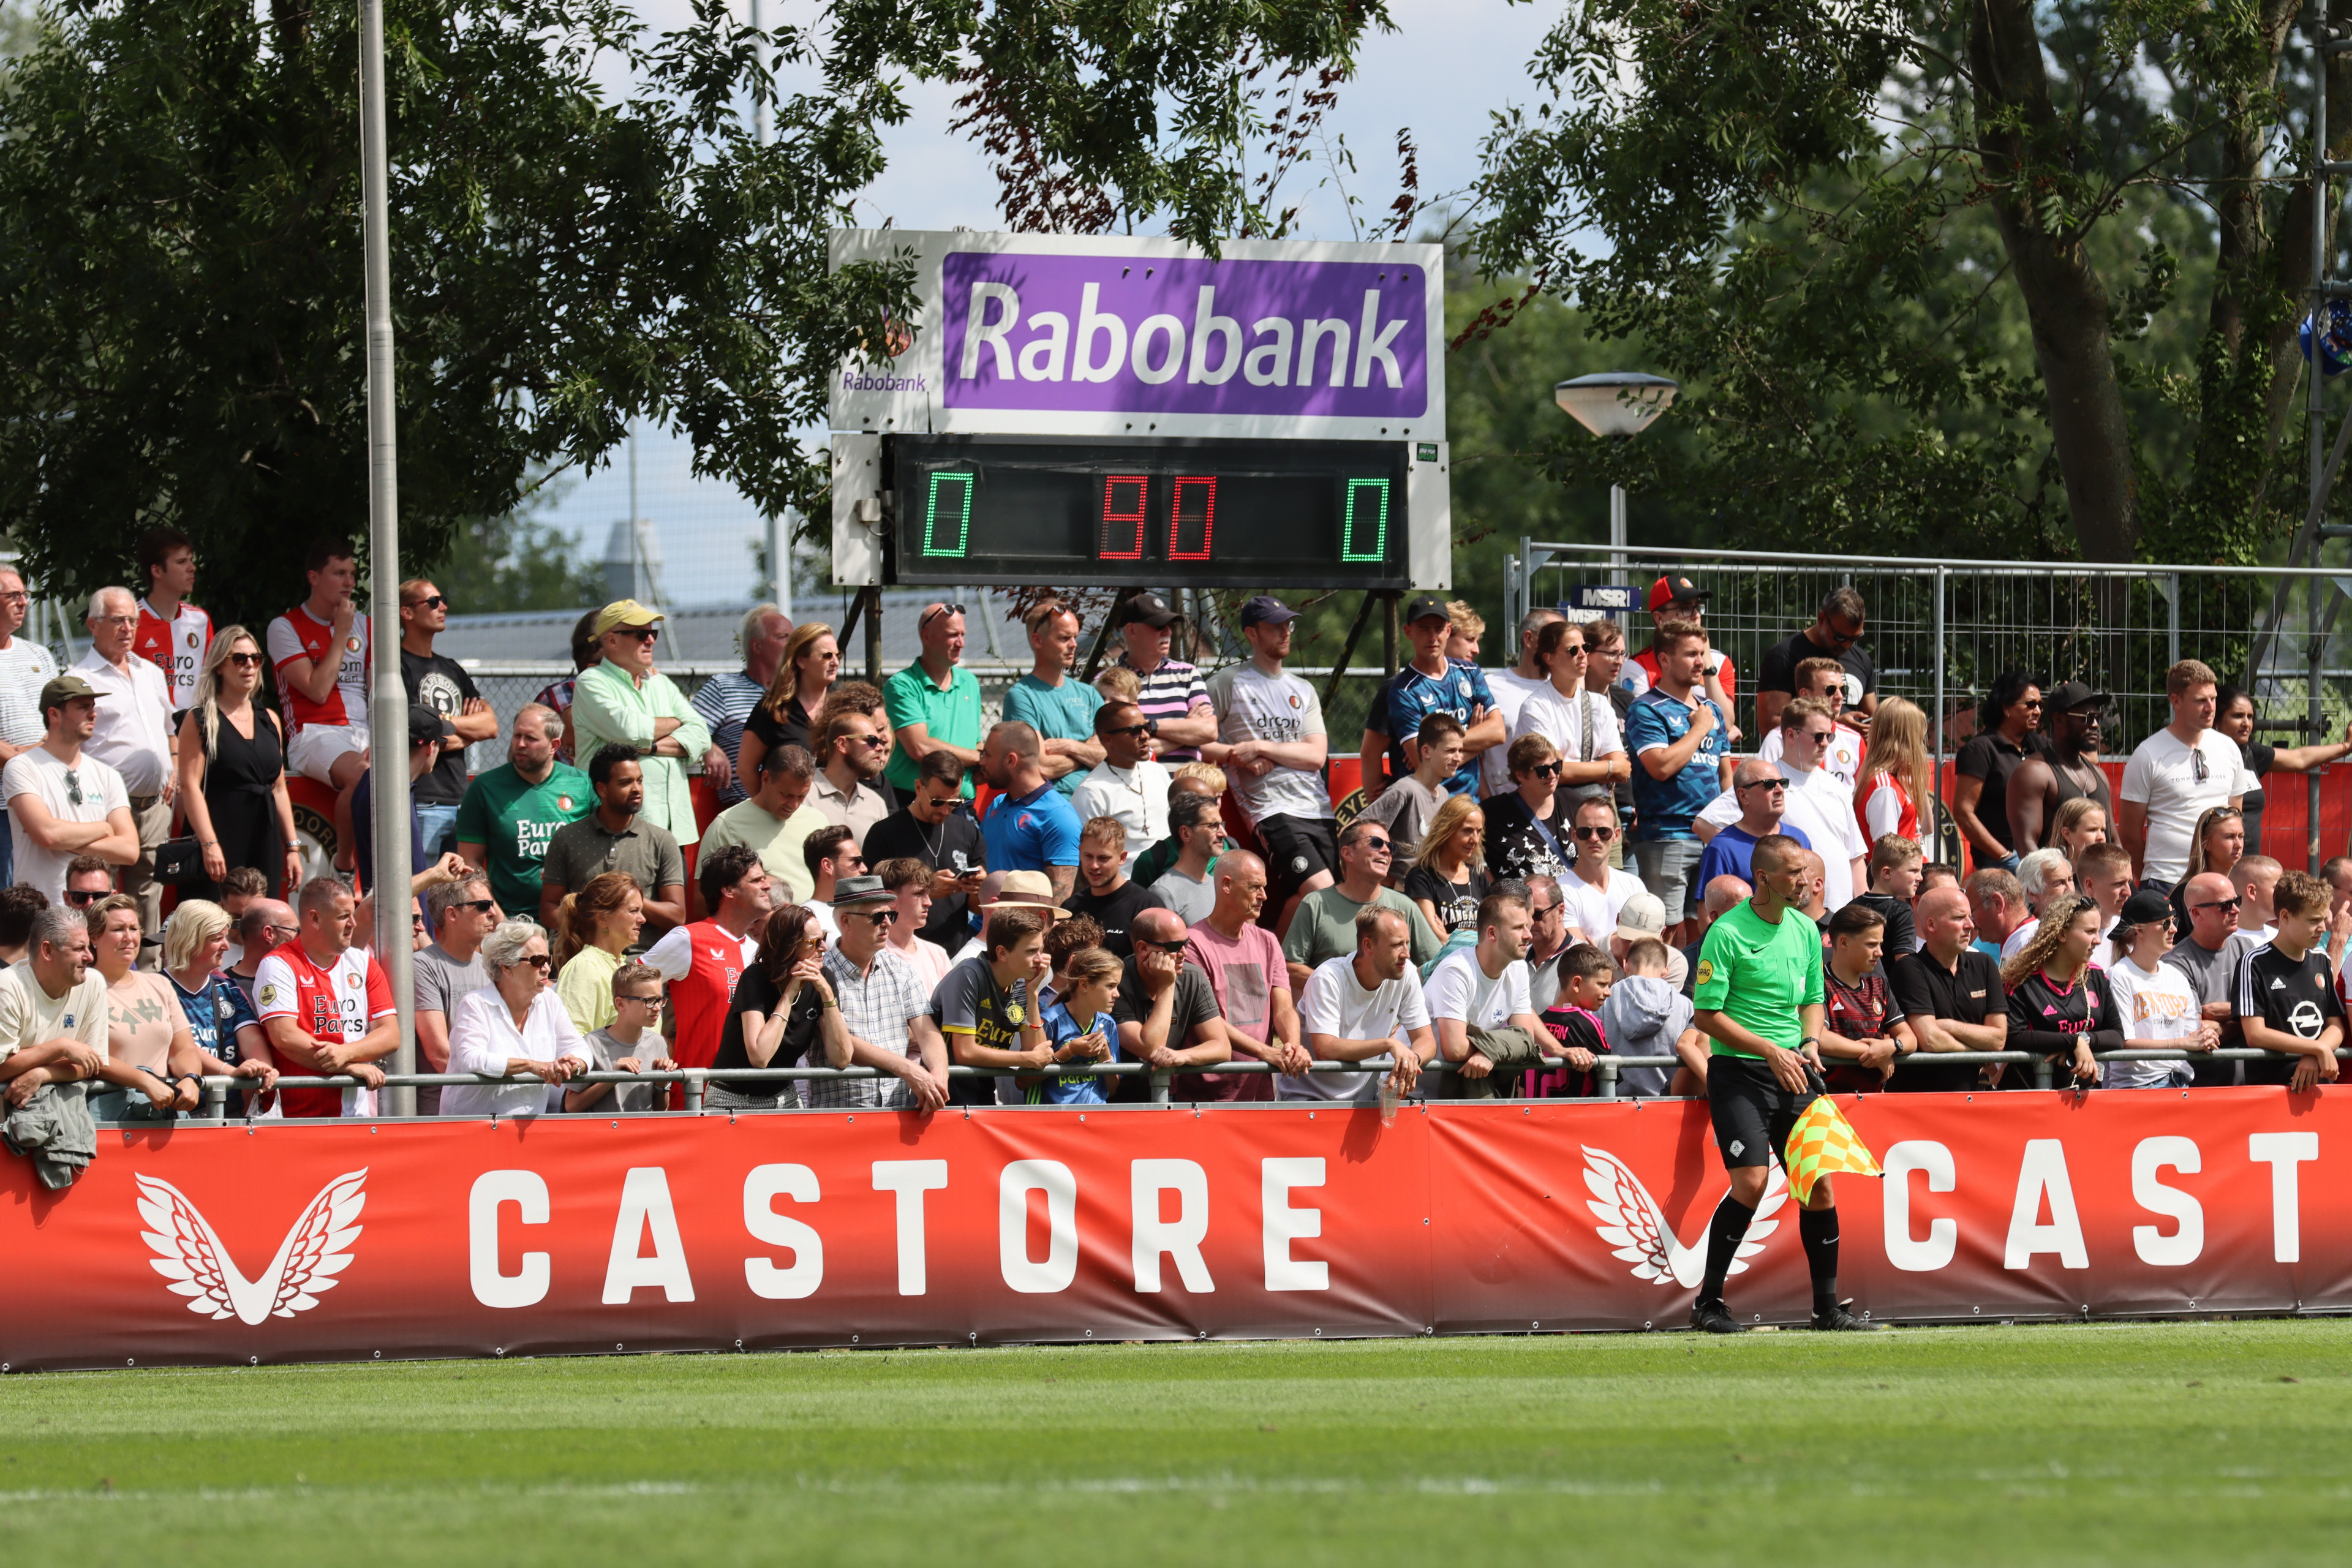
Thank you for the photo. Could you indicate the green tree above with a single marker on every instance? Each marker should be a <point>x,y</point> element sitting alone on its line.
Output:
<point>516,560</point>
<point>2002,278</point>
<point>180,250</point>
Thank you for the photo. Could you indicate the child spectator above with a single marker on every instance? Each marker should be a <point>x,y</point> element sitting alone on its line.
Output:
<point>1078,1027</point>
<point>1646,1017</point>
<point>1574,1020</point>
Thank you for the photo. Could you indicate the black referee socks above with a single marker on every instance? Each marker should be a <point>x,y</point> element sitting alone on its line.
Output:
<point>1819,1227</point>
<point>1724,1234</point>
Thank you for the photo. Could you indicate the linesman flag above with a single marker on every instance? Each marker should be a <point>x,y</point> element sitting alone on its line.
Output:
<point>1821,1142</point>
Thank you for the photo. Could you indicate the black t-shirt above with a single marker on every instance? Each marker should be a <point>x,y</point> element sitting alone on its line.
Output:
<point>1517,845</point>
<point>2259,760</point>
<point>791,730</point>
<point>1988,756</point>
<point>2047,1018</point>
<point>1195,1004</point>
<point>1902,935</point>
<point>1777,669</point>
<point>968,1001</point>
<point>2295,996</point>
<point>1569,1026</point>
<point>758,994</point>
<point>440,684</point>
<point>1864,1012</point>
<point>1968,993</point>
<point>1456,902</point>
<point>955,844</point>
<point>1116,914</point>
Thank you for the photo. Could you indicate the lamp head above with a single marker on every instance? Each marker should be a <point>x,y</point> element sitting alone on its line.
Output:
<point>1617,401</point>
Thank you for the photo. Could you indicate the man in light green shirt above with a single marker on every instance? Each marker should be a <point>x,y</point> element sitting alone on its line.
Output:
<point>775,821</point>
<point>626,700</point>
<point>934,702</point>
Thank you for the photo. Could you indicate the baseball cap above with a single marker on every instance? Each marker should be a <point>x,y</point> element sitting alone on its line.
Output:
<point>1265,610</point>
<point>1673,590</point>
<point>425,725</point>
<point>1149,608</point>
<point>2069,695</point>
<point>625,613</point>
<point>1642,916</point>
<point>1428,605</point>
<point>2145,908</point>
<point>64,689</point>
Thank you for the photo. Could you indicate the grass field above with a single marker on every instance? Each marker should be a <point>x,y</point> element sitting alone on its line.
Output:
<point>2170,1443</point>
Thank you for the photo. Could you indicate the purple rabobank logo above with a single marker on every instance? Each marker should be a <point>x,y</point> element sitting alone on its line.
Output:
<point>1156,334</point>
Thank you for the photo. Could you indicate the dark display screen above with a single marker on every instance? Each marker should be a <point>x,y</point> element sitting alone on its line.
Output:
<point>1179,514</point>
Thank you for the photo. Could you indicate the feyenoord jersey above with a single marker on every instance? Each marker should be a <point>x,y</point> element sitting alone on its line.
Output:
<point>336,1003</point>
<point>701,983</point>
<point>299,633</point>
<point>175,646</point>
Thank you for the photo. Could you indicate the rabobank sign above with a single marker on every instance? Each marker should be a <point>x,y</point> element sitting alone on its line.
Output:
<point>1038,332</point>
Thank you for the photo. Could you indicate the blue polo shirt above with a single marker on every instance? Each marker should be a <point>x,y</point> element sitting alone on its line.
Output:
<point>1665,806</point>
<point>1410,697</point>
<point>1064,712</point>
<point>1732,853</point>
<point>1033,832</point>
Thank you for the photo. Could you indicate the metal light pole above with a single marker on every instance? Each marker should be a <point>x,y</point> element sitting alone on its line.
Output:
<point>388,698</point>
<point>1620,405</point>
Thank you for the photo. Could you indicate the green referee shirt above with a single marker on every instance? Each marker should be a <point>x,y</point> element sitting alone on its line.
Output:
<point>1760,974</point>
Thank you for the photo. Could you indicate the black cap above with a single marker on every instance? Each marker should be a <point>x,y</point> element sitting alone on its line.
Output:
<point>1149,608</point>
<point>1265,610</point>
<point>425,725</point>
<point>2070,695</point>
<point>1428,605</point>
<point>2145,908</point>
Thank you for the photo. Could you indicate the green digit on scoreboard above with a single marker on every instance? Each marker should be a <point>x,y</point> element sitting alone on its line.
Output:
<point>1364,534</point>
<point>955,491</point>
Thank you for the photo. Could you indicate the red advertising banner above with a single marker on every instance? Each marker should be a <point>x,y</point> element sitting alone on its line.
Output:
<point>291,1242</point>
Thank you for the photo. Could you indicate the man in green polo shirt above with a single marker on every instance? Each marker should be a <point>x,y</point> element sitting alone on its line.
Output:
<point>508,814</point>
<point>1759,991</point>
<point>934,702</point>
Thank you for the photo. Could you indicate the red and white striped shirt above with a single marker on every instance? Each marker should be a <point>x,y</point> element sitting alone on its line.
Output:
<point>299,633</point>
<point>175,646</point>
<point>336,1003</point>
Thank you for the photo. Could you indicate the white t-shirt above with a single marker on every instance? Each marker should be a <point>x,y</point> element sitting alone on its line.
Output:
<point>2159,1007</point>
<point>1252,705</point>
<point>31,1017</point>
<point>1593,911</point>
<point>2014,943</point>
<point>1841,758</point>
<point>38,772</point>
<point>1458,988</point>
<point>2162,777</point>
<point>1822,809</point>
<point>1333,1003</point>
<point>1137,796</point>
<point>1511,689</point>
<point>1560,721</point>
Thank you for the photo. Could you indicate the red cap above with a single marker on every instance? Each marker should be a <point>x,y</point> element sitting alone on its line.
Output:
<point>1676,591</point>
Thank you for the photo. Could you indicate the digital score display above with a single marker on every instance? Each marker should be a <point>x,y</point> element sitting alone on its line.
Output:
<point>1179,513</point>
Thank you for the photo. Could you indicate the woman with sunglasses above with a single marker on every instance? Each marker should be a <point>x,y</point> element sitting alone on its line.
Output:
<point>232,773</point>
<point>782,1011</point>
<point>595,927</point>
<point>514,1028</point>
<point>2233,715</point>
<point>1524,836</point>
<point>1448,877</point>
<point>812,664</point>
<point>222,1022</point>
<point>1581,723</point>
<point>2157,1004</point>
<point>2009,731</point>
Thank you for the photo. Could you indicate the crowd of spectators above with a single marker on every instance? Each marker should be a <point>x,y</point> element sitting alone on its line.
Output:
<point>1144,868</point>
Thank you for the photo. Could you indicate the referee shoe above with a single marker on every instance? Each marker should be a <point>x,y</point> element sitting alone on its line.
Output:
<point>1710,1317</point>
<point>1838,1319</point>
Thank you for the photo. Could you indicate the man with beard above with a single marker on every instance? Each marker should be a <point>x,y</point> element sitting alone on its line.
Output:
<point>2068,770</point>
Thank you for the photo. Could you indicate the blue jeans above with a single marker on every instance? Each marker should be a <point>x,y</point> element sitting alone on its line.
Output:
<point>438,822</point>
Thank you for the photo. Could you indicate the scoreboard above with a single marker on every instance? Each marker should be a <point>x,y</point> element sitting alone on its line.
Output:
<point>1124,411</point>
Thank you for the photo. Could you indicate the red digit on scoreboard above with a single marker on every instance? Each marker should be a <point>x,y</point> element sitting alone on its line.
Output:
<point>1122,517</point>
<point>1192,520</point>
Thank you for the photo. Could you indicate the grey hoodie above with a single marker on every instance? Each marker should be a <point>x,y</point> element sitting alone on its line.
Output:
<point>1644,1017</point>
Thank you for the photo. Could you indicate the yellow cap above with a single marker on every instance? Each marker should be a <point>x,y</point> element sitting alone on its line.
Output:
<point>625,613</point>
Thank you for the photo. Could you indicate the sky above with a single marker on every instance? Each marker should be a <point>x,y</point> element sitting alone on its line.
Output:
<point>1414,77</point>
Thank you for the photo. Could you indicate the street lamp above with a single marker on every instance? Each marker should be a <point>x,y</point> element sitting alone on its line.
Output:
<point>1619,405</point>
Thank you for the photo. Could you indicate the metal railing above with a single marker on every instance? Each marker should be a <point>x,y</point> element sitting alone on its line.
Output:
<point>1608,1070</point>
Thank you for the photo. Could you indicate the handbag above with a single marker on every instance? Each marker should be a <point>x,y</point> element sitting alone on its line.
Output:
<point>180,860</point>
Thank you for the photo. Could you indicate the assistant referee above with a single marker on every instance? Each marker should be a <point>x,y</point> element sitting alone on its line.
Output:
<point>1760,997</point>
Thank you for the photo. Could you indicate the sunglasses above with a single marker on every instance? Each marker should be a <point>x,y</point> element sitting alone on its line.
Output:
<point>537,960</point>
<point>479,905</point>
<point>81,896</point>
<point>936,610</point>
<point>2218,904</point>
<point>879,917</point>
<point>1547,770</point>
<point>869,740</point>
<point>1371,843</point>
<point>1763,783</point>
<point>2196,762</point>
<point>73,787</point>
<point>1177,946</point>
<point>1591,832</point>
<point>245,660</point>
<point>434,602</point>
<point>642,633</point>
<point>1134,730</point>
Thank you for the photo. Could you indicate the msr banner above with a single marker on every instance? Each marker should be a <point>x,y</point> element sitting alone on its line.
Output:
<point>287,1243</point>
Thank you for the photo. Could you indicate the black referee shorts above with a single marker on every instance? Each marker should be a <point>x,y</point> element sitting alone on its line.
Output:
<point>1753,1115</point>
<point>1295,849</point>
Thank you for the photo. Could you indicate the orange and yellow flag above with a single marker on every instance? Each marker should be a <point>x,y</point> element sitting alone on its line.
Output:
<point>1822,1142</point>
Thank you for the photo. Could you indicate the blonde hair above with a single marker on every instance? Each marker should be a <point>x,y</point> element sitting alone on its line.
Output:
<point>787,684</point>
<point>1464,619</point>
<point>2070,817</point>
<point>1118,681</point>
<point>2056,920</point>
<point>193,923</point>
<point>207,702</point>
<point>1207,773</point>
<point>1899,747</point>
<point>1444,825</point>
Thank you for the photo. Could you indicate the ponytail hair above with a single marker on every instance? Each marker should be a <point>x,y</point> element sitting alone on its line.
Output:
<point>577,916</point>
